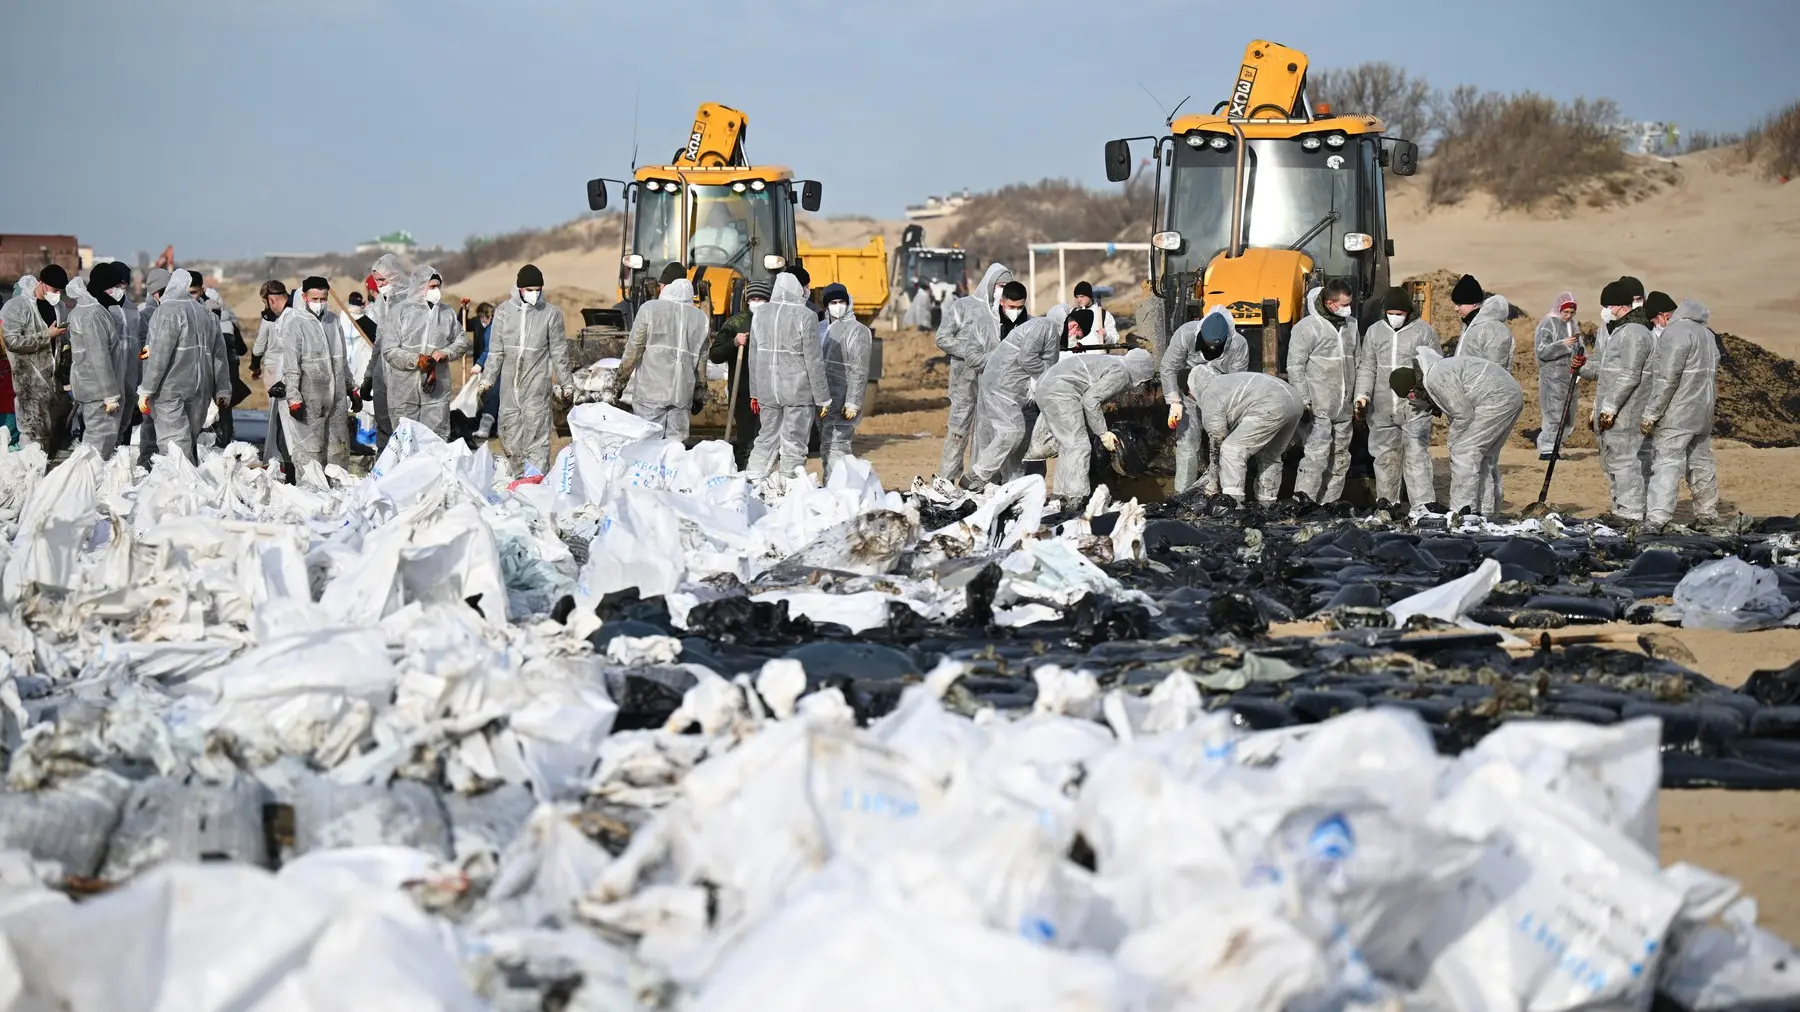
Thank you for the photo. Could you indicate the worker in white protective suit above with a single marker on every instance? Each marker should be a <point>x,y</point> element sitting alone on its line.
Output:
<point>315,380</point>
<point>1620,391</point>
<point>1678,416</point>
<point>1072,394</point>
<point>788,387</point>
<point>968,332</point>
<point>664,359</point>
<point>1321,364</point>
<point>187,372</point>
<point>1214,343</point>
<point>128,365</point>
<point>1485,333</point>
<point>1008,380</point>
<point>1557,345</point>
<point>1399,429</point>
<point>93,364</point>
<point>426,340</point>
<point>1250,417</point>
<point>265,364</point>
<point>846,349</point>
<point>391,281</point>
<point>1482,402</point>
<point>528,356</point>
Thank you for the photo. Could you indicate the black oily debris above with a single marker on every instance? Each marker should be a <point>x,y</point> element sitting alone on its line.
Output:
<point>1220,574</point>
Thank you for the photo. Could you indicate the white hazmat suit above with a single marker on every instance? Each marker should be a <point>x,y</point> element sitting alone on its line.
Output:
<point>1006,384</point>
<point>663,358</point>
<point>1482,402</point>
<point>1185,353</point>
<point>1072,394</point>
<point>1555,344</point>
<point>528,355</point>
<point>1321,364</point>
<point>1683,373</point>
<point>968,333</point>
<point>846,350</point>
<point>787,378</point>
<point>1249,416</point>
<point>1399,430</point>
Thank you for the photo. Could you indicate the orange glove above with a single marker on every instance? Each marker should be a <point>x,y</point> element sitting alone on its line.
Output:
<point>755,408</point>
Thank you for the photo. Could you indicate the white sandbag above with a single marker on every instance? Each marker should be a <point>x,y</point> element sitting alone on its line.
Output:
<point>69,823</point>
<point>405,813</point>
<point>1732,966</point>
<point>1614,774</point>
<point>482,825</point>
<point>544,871</point>
<point>1233,953</point>
<point>57,521</point>
<point>166,820</point>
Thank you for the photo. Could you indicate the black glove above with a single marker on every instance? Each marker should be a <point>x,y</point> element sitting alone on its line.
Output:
<point>278,390</point>
<point>255,364</point>
<point>356,400</point>
<point>368,387</point>
<point>298,414</point>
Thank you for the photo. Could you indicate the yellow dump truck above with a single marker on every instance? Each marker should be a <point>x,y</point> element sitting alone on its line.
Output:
<point>862,270</point>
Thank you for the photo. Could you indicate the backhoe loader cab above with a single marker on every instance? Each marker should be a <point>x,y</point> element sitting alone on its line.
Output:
<point>1266,198</point>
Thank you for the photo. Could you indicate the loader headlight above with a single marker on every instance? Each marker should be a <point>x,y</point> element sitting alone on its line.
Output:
<point>758,185</point>
<point>1310,143</point>
<point>1334,140</point>
<point>773,262</point>
<point>739,187</point>
<point>1220,143</point>
<point>1170,241</point>
<point>1195,140</point>
<point>653,186</point>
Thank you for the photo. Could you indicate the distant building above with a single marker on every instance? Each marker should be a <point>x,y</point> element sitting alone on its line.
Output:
<point>1651,137</point>
<point>937,207</point>
<point>26,254</point>
<point>401,243</point>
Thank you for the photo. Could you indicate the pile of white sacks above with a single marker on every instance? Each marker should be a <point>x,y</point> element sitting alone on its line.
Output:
<point>195,658</point>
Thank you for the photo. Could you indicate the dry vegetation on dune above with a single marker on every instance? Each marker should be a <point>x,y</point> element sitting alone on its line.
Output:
<point>998,225</point>
<point>1775,145</point>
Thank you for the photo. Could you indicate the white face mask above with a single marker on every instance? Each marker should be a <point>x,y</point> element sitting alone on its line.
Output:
<point>1013,314</point>
<point>316,308</point>
<point>115,294</point>
<point>756,304</point>
<point>53,297</point>
<point>434,295</point>
<point>1606,313</point>
<point>1396,320</point>
<point>530,298</point>
<point>383,289</point>
<point>1636,303</point>
<point>838,310</point>
<point>356,312</point>
<point>1341,311</point>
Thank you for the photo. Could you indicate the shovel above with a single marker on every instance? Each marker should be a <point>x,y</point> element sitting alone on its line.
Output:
<point>737,376</point>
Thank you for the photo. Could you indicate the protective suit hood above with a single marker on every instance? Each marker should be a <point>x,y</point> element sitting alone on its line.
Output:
<point>1312,303</point>
<point>1690,309</point>
<point>78,293</point>
<point>1556,304</point>
<point>388,268</point>
<point>1139,366</point>
<point>177,288</point>
<point>787,289</point>
<point>1494,308</point>
<point>996,275</point>
<point>415,285</point>
<point>681,290</point>
<point>1428,360</point>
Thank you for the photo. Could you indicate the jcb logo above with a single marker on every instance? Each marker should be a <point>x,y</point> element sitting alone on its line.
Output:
<point>693,144</point>
<point>1240,95</point>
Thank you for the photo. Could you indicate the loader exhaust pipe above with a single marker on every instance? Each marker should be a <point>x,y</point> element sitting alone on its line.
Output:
<point>1237,197</point>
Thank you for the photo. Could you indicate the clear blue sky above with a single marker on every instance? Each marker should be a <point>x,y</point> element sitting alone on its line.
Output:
<point>234,127</point>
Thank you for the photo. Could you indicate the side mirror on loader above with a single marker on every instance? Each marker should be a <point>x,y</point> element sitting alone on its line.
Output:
<point>596,194</point>
<point>1406,158</point>
<point>810,194</point>
<point>1118,161</point>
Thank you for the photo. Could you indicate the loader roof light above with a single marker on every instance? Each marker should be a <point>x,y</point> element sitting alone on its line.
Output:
<point>738,187</point>
<point>1220,142</point>
<point>758,185</point>
<point>1310,143</point>
<point>1334,140</point>
<point>1170,241</point>
<point>1195,140</point>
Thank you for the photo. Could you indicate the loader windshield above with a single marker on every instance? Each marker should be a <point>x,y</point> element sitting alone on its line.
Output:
<point>726,228</point>
<point>1290,194</point>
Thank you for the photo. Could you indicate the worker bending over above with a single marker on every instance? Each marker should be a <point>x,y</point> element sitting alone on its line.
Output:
<point>1481,401</point>
<point>1250,417</point>
<point>1678,415</point>
<point>1321,364</point>
<point>1211,342</point>
<point>846,350</point>
<point>1399,429</point>
<point>1008,380</point>
<point>1072,394</point>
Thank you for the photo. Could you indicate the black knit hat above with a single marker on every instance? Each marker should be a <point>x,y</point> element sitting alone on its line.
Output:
<point>1658,303</point>
<point>100,276</point>
<point>757,290</point>
<point>834,292</point>
<point>1083,288</point>
<point>1083,318</point>
<point>674,271</point>
<point>1013,292</point>
<point>1215,329</point>
<point>54,276</point>
<point>529,277</point>
<point>1468,291</point>
<point>1397,301</point>
<point>1632,289</point>
<point>1615,294</point>
<point>1403,380</point>
<point>315,284</point>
